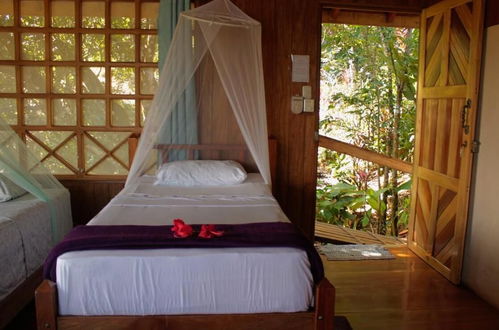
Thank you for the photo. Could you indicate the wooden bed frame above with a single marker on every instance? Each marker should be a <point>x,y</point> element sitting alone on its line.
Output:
<point>235,152</point>
<point>11,305</point>
<point>239,153</point>
<point>319,318</point>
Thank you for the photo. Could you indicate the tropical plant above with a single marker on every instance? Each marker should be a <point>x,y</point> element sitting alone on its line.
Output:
<point>344,204</point>
<point>368,82</point>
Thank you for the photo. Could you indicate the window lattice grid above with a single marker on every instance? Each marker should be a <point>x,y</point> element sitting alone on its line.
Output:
<point>77,78</point>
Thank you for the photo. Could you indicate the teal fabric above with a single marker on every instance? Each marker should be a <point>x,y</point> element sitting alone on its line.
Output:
<point>181,126</point>
<point>169,12</point>
<point>23,168</point>
<point>15,173</point>
<point>28,183</point>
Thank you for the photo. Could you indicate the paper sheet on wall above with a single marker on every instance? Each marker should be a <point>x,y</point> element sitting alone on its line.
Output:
<point>300,71</point>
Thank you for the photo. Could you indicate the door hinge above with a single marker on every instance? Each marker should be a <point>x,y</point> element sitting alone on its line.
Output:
<point>475,146</point>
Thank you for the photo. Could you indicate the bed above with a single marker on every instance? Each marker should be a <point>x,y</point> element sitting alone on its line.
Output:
<point>241,288</point>
<point>25,241</point>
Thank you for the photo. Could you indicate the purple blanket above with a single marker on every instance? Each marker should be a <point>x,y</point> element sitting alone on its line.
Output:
<point>269,234</point>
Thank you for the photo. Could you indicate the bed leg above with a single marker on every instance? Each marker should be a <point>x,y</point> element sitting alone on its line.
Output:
<point>324,305</point>
<point>46,306</point>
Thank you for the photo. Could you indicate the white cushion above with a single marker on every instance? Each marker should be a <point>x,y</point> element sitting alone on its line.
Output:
<point>189,173</point>
<point>9,190</point>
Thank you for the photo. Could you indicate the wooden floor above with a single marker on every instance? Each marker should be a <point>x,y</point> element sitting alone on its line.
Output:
<point>398,294</point>
<point>405,294</point>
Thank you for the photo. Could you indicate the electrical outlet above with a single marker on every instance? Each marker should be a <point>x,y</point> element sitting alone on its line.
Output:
<point>296,104</point>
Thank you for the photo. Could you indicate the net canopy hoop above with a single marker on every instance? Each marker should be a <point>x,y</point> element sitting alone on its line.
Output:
<point>220,20</point>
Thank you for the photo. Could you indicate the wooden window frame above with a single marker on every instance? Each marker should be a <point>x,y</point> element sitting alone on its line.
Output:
<point>79,130</point>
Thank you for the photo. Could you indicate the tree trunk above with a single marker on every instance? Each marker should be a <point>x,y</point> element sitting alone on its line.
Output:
<point>395,154</point>
<point>389,151</point>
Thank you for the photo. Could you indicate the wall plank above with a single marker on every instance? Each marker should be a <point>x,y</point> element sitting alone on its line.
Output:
<point>491,13</point>
<point>89,197</point>
<point>397,6</point>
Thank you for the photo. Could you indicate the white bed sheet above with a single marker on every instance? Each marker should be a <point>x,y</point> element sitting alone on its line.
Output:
<point>25,240</point>
<point>186,281</point>
<point>248,202</point>
<point>11,258</point>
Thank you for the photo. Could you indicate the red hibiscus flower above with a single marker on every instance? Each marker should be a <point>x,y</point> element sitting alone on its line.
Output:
<point>180,229</point>
<point>208,231</point>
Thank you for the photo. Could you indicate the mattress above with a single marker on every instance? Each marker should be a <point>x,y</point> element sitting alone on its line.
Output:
<point>25,240</point>
<point>251,201</point>
<point>11,257</point>
<point>186,281</point>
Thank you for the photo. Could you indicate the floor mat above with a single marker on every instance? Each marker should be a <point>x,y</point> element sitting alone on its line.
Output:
<point>355,252</point>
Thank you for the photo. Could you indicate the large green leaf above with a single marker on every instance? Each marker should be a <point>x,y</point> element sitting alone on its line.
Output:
<point>404,186</point>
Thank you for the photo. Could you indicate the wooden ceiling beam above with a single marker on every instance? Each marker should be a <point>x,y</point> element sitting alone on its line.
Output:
<point>390,17</point>
<point>392,6</point>
<point>357,17</point>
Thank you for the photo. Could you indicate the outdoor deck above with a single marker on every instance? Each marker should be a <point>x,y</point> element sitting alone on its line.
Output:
<point>347,235</point>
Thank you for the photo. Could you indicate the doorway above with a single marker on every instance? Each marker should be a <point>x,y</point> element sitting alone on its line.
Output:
<point>367,122</point>
<point>443,139</point>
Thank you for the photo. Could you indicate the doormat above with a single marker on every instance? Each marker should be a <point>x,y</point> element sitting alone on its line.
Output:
<point>355,252</point>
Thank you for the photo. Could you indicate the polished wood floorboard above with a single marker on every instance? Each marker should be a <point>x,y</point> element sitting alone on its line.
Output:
<point>405,293</point>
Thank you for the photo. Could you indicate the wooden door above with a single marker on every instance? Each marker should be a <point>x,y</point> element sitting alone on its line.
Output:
<point>449,67</point>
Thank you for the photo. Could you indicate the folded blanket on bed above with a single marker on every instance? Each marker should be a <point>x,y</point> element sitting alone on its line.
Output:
<point>268,234</point>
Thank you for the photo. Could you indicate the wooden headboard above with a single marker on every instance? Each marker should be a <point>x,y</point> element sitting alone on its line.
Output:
<point>234,152</point>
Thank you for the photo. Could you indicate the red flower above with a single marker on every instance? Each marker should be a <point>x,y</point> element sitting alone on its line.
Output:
<point>180,229</point>
<point>208,231</point>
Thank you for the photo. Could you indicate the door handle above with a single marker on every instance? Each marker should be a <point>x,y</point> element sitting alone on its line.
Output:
<point>464,116</point>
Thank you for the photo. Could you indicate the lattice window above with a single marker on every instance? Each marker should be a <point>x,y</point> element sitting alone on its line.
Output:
<point>77,79</point>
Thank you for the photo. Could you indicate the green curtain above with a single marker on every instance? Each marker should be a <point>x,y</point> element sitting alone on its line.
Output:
<point>181,126</point>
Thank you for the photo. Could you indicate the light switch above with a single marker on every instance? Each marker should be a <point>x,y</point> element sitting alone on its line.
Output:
<point>308,105</point>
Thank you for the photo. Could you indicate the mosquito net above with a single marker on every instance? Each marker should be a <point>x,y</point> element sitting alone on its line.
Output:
<point>210,102</point>
<point>25,170</point>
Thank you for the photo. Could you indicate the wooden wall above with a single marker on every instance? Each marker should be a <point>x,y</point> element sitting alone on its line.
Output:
<point>491,13</point>
<point>89,197</point>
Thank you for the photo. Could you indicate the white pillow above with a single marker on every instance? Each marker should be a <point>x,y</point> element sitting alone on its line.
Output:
<point>9,190</point>
<point>189,173</point>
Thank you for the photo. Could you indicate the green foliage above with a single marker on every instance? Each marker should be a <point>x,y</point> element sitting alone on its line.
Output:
<point>364,66</point>
<point>344,204</point>
<point>93,22</point>
<point>6,20</point>
<point>368,89</point>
